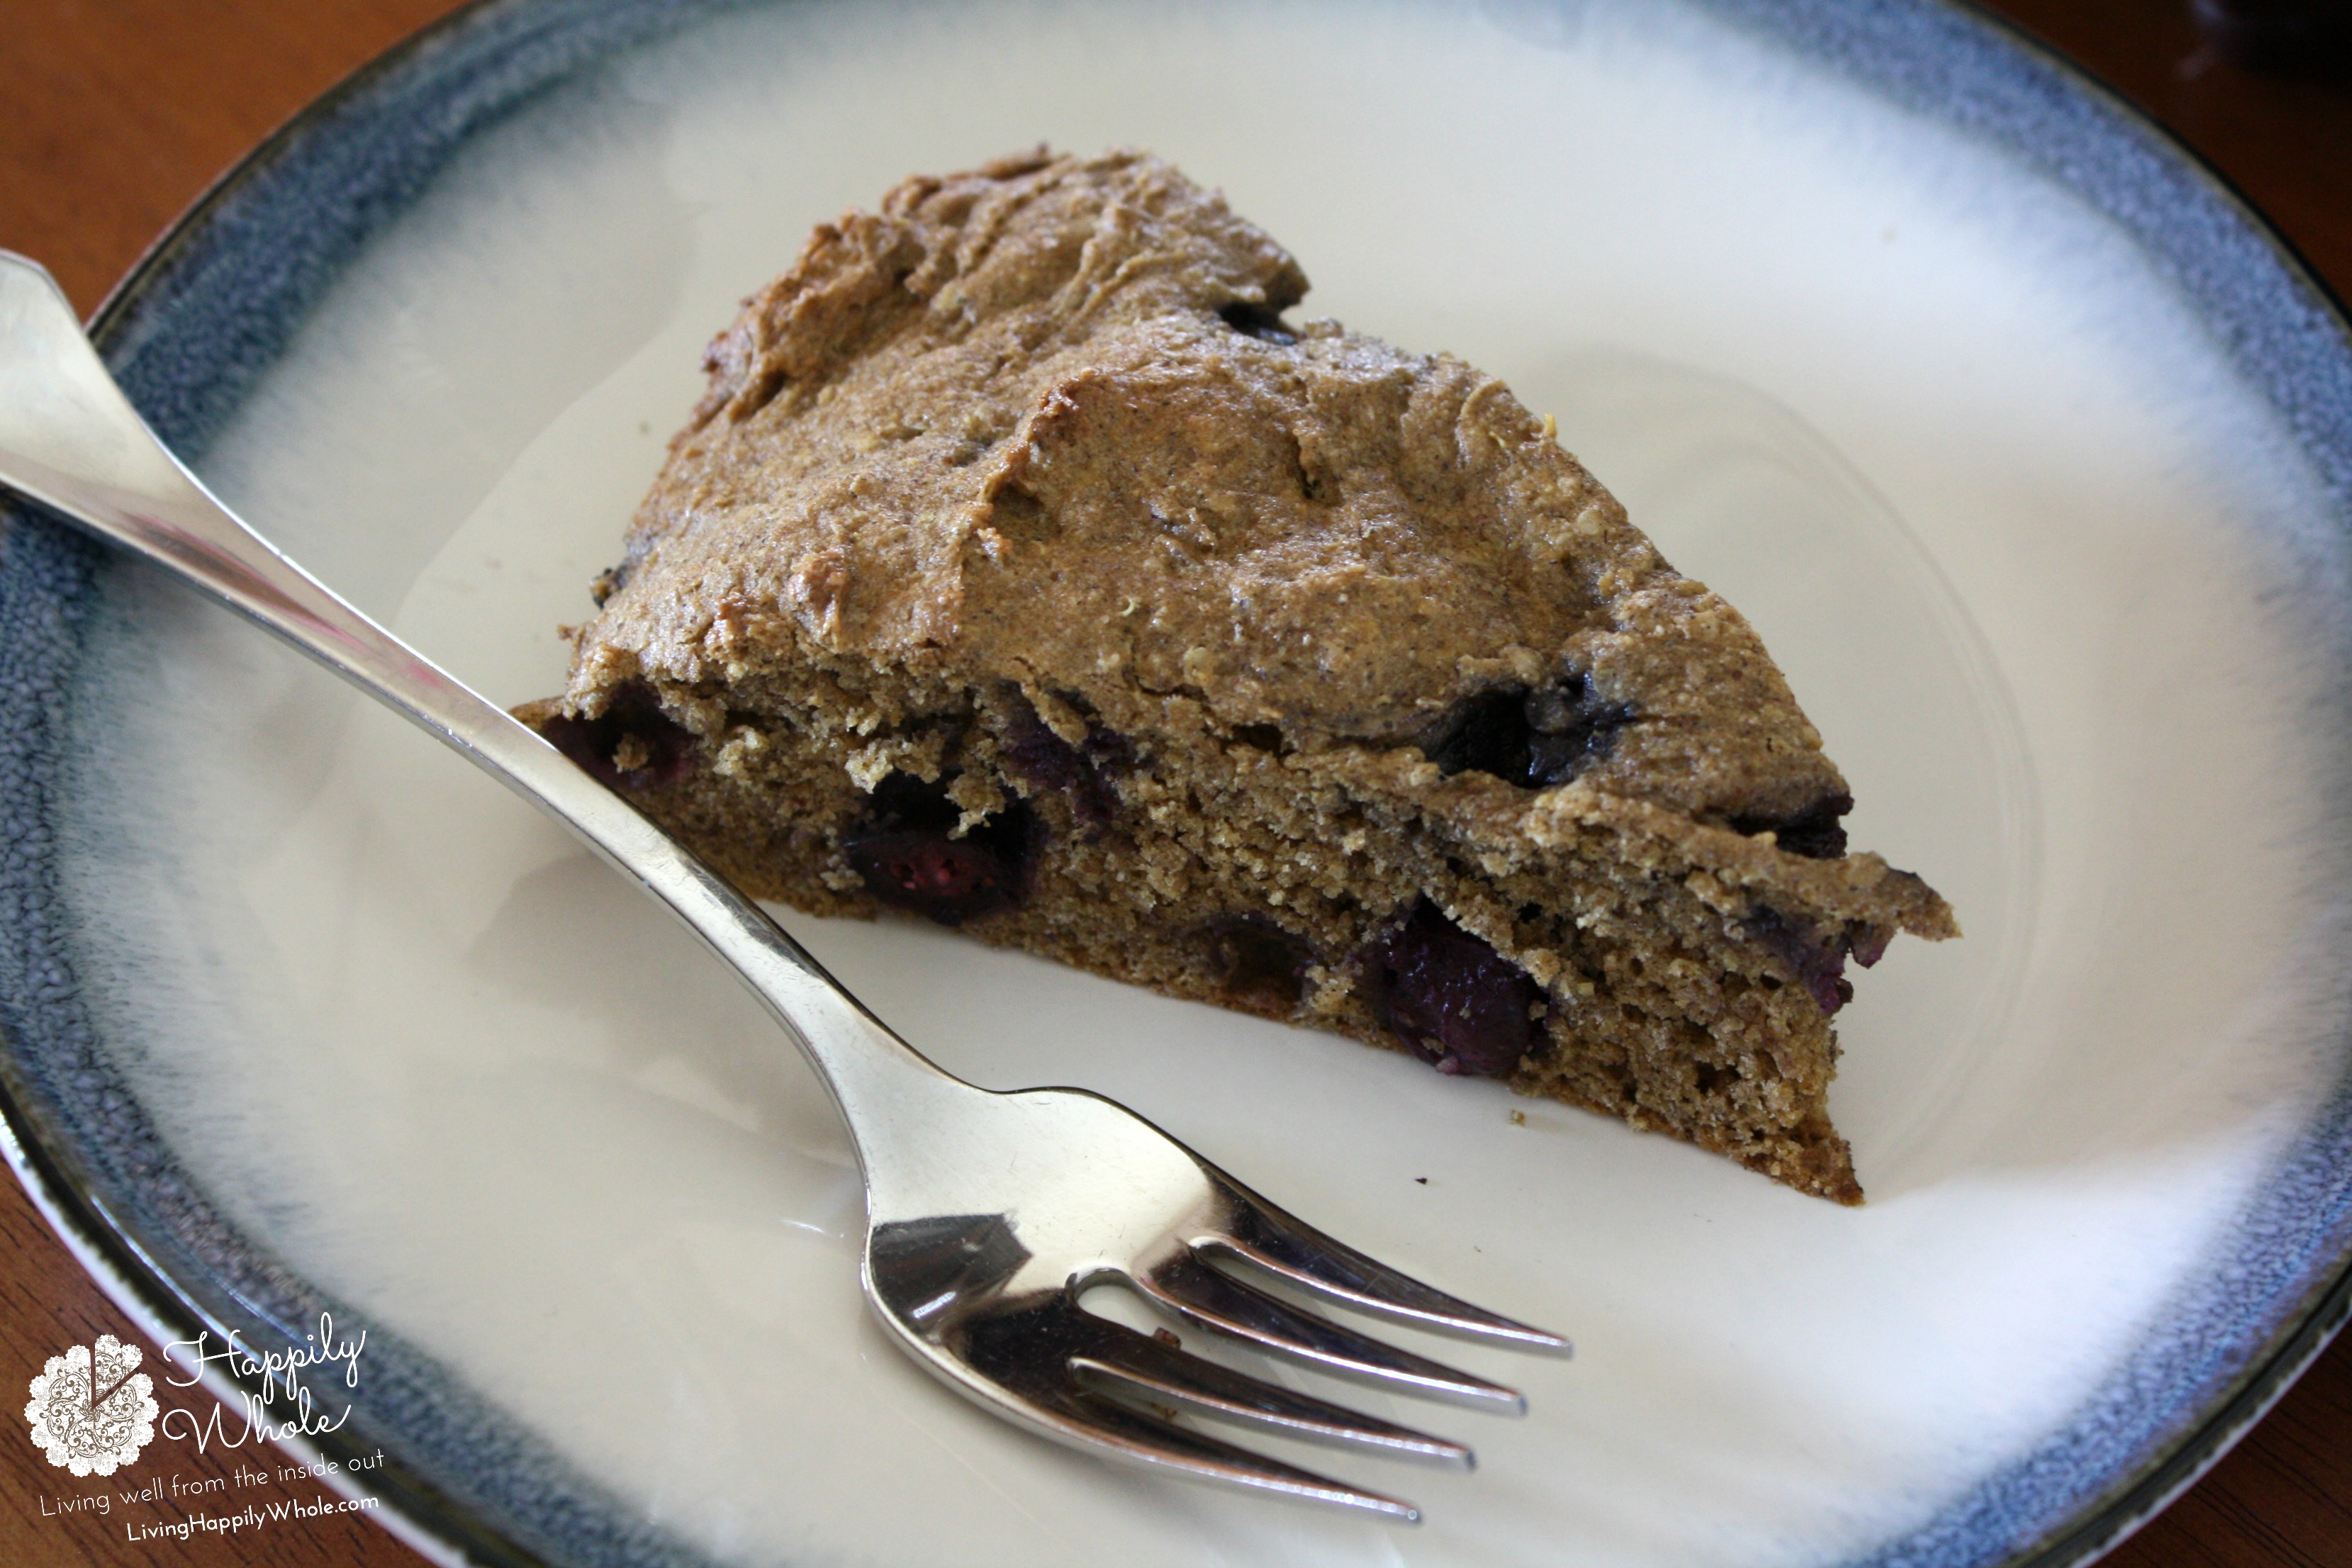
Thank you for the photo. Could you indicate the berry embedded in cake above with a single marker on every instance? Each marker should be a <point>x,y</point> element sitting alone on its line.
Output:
<point>1026,568</point>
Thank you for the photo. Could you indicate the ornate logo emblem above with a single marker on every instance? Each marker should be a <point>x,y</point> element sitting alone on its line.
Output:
<point>92,1411</point>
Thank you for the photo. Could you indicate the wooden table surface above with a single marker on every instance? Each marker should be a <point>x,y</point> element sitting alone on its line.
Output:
<point>115,113</point>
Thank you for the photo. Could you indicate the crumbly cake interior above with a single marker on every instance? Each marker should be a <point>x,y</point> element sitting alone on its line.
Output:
<point>1025,568</point>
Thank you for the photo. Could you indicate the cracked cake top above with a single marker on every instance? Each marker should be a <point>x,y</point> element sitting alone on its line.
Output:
<point>1044,421</point>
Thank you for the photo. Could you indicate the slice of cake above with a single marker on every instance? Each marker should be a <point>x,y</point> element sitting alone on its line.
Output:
<point>1026,569</point>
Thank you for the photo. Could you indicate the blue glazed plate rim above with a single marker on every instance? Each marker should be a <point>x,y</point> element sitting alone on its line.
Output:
<point>2138,1495</point>
<point>54,1174</point>
<point>561,36</point>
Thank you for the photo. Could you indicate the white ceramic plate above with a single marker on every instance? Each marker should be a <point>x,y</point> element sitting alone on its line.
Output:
<point>2052,561</point>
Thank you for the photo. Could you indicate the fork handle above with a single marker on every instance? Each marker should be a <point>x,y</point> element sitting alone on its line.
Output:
<point>70,440</point>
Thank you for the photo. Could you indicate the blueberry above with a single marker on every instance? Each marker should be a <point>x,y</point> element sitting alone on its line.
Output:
<point>1817,953</point>
<point>1256,320</point>
<point>1815,832</point>
<point>1041,759</point>
<point>1256,960</point>
<point>1486,733</point>
<point>906,854</point>
<point>925,871</point>
<point>1453,1001</point>
<point>1531,739</point>
<point>633,729</point>
<point>902,800</point>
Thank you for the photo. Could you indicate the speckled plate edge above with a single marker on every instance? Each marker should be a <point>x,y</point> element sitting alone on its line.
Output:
<point>2235,1340</point>
<point>84,1151</point>
<point>211,305</point>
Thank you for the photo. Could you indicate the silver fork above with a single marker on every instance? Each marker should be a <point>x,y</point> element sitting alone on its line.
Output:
<point>988,1214</point>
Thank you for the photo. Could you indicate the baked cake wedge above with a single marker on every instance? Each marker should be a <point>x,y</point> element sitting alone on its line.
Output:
<point>1026,568</point>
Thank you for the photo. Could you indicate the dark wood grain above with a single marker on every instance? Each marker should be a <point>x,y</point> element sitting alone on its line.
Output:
<point>116,113</point>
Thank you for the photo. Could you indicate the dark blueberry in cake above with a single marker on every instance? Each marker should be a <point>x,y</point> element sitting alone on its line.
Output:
<point>1486,733</point>
<point>1041,759</point>
<point>1570,727</point>
<point>633,745</point>
<point>1817,953</point>
<point>1532,739</point>
<point>1815,832</point>
<point>1257,962</point>
<point>902,800</point>
<point>1106,749</point>
<point>1453,1001</point>
<point>1254,320</point>
<point>907,854</point>
<point>925,872</point>
<point>1035,755</point>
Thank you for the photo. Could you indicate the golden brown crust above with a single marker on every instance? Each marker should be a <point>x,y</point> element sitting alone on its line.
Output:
<point>1013,386</point>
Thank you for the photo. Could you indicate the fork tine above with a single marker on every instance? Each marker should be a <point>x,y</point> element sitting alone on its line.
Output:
<point>1201,1296</point>
<point>1102,1423</point>
<point>1015,1356</point>
<point>1135,1366</point>
<point>1264,1236</point>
